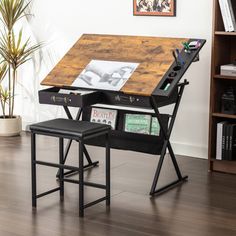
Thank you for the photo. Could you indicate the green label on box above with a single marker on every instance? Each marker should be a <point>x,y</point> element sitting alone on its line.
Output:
<point>137,123</point>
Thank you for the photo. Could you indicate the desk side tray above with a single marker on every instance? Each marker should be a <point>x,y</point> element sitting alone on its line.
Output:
<point>176,72</point>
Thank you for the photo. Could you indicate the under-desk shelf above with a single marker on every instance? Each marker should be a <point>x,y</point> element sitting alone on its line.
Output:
<point>222,115</point>
<point>119,139</point>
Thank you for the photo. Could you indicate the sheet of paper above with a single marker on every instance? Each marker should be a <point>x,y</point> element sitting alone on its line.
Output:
<point>75,91</point>
<point>107,75</point>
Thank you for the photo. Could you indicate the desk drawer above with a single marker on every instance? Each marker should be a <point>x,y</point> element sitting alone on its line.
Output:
<point>71,98</point>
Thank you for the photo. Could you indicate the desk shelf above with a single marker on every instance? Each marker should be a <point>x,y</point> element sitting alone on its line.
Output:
<point>224,77</point>
<point>119,139</point>
<point>223,33</point>
<point>225,116</point>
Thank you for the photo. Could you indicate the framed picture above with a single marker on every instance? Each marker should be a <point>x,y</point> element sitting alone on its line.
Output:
<point>154,7</point>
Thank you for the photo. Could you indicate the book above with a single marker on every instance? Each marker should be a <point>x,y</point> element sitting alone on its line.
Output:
<point>226,141</point>
<point>232,142</point>
<point>228,16</point>
<point>233,155</point>
<point>219,140</point>
<point>137,123</point>
<point>228,70</point>
<point>232,14</point>
<point>226,154</point>
<point>223,150</point>
<point>155,127</point>
<point>105,116</point>
<point>223,14</point>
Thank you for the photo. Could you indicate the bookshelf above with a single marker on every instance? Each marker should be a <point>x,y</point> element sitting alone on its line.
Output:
<point>223,52</point>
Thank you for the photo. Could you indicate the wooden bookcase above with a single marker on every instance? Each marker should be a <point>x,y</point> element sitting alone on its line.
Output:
<point>223,52</point>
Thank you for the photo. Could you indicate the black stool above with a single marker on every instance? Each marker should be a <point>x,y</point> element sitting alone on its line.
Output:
<point>74,130</point>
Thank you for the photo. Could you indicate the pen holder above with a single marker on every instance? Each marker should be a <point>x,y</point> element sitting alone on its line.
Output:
<point>177,67</point>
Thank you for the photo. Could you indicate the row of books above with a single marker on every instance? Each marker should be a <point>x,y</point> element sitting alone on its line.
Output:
<point>226,141</point>
<point>133,123</point>
<point>227,13</point>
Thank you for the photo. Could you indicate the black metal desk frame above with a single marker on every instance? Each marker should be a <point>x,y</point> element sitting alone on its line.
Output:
<point>166,145</point>
<point>159,93</point>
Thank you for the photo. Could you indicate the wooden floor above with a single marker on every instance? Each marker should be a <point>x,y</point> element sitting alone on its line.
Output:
<point>205,205</point>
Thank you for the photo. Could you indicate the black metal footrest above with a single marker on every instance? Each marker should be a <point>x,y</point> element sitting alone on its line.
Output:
<point>86,167</point>
<point>60,166</point>
<point>95,202</point>
<point>48,192</point>
<point>94,185</point>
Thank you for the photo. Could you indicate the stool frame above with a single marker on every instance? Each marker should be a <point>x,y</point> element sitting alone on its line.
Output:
<point>63,167</point>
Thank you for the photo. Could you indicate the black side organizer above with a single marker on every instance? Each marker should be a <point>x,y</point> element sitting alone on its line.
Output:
<point>176,71</point>
<point>119,139</point>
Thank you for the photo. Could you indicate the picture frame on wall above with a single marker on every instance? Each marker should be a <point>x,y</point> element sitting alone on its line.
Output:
<point>154,7</point>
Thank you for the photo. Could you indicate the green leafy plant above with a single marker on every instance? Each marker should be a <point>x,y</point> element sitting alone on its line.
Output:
<point>3,93</point>
<point>13,49</point>
<point>4,96</point>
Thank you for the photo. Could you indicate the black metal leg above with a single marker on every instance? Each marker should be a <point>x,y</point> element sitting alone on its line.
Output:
<point>81,179</point>
<point>167,145</point>
<point>172,155</point>
<point>108,174</point>
<point>33,169</point>
<point>67,149</point>
<point>68,146</point>
<point>87,156</point>
<point>61,170</point>
<point>158,170</point>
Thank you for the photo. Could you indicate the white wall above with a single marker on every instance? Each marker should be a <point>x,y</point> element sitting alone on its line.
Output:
<point>60,23</point>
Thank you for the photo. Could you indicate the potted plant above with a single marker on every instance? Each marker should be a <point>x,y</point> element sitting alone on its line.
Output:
<point>14,52</point>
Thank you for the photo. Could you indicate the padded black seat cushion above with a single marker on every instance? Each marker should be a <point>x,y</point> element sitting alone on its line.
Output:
<point>69,128</point>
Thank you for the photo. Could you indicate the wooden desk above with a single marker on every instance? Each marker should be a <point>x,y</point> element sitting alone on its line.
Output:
<point>153,53</point>
<point>145,88</point>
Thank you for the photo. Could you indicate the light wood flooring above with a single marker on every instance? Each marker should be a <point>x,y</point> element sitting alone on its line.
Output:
<point>203,206</point>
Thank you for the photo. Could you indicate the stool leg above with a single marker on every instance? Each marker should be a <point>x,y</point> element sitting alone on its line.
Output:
<point>81,179</point>
<point>61,170</point>
<point>33,169</point>
<point>108,174</point>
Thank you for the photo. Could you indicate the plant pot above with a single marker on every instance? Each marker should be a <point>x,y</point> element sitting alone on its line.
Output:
<point>10,126</point>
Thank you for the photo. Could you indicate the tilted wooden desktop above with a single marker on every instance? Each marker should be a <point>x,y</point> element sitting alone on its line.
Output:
<point>144,89</point>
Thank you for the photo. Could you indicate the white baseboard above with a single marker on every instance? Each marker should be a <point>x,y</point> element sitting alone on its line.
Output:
<point>190,150</point>
<point>179,148</point>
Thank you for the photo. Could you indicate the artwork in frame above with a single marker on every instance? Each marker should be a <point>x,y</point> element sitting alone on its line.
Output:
<point>154,7</point>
